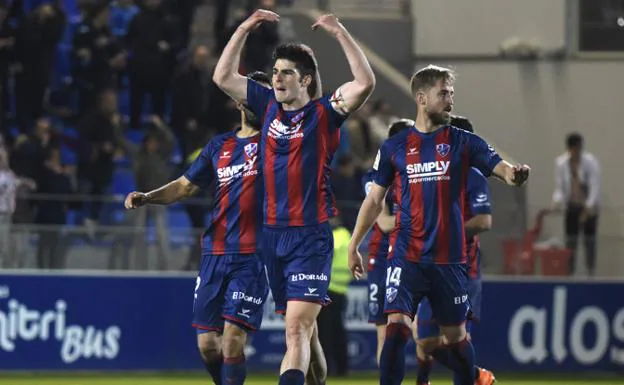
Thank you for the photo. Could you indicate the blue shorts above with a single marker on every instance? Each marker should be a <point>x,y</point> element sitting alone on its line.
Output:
<point>376,293</point>
<point>298,262</point>
<point>444,285</point>
<point>427,325</point>
<point>230,287</point>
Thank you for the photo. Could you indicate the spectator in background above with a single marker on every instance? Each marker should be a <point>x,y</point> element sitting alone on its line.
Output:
<point>121,14</point>
<point>8,32</point>
<point>97,55</point>
<point>183,11</point>
<point>8,187</point>
<point>98,145</point>
<point>153,47</point>
<point>577,189</point>
<point>196,212</point>
<point>190,96</point>
<point>347,190</point>
<point>331,319</point>
<point>30,150</point>
<point>361,146</point>
<point>151,163</point>
<point>258,51</point>
<point>381,117</point>
<point>35,50</point>
<point>52,212</point>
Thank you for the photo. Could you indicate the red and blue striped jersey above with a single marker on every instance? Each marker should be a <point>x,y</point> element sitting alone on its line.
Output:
<point>297,151</point>
<point>378,241</point>
<point>428,172</point>
<point>477,202</point>
<point>232,166</point>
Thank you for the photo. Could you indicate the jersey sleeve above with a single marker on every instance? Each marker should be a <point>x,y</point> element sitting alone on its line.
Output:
<point>200,172</point>
<point>383,166</point>
<point>367,181</point>
<point>336,115</point>
<point>258,97</point>
<point>478,193</point>
<point>482,156</point>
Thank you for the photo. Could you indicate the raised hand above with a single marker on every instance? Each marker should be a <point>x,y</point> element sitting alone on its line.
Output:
<point>258,17</point>
<point>520,175</point>
<point>329,23</point>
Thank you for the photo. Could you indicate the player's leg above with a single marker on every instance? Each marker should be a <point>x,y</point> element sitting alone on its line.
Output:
<point>207,309</point>
<point>482,376</point>
<point>427,337</point>
<point>404,283</point>
<point>449,303</point>
<point>209,344</point>
<point>246,294</point>
<point>376,294</point>
<point>306,255</point>
<point>317,372</point>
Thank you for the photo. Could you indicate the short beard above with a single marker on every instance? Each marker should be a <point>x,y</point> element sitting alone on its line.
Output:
<point>439,118</point>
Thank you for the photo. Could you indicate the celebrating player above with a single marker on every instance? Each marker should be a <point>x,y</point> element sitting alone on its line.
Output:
<point>477,219</point>
<point>231,286</point>
<point>299,137</point>
<point>378,251</point>
<point>428,165</point>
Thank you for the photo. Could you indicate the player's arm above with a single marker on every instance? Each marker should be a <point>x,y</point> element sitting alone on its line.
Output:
<point>173,191</point>
<point>350,96</point>
<point>385,220</point>
<point>487,160</point>
<point>480,204</point>
<point>226,75</point>
<point>371,207</point>
<point>369,213</point>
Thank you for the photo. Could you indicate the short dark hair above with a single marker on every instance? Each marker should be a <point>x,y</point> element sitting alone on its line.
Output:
<point>427,77</point>
<point>303,60</point>
<point>261,77</point>
<point>462,122</point>
<point>344,160</point>
<point>399,126</point>
<point>574,140</point>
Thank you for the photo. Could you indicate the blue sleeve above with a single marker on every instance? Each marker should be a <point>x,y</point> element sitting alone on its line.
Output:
<point>478,193</point>
<point>200,172</point>
<point>367,181</point>
<point>383,166</point>
<point>258,97</point>
<point>482,156</point>
<point>336,119</point>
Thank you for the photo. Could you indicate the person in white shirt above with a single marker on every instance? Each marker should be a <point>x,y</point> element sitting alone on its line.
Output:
<point>577,190</point>
<point>8,185</point>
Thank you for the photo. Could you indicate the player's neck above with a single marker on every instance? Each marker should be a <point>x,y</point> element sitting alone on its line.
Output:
<point>246,131</point>
<point>295,104</point>
<point>425,125</point>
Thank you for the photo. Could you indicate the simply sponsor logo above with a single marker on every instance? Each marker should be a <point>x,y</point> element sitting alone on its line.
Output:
<point>226,175</point>
<point>428,171</point>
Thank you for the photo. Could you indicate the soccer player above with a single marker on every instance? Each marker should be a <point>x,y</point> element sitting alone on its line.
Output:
<point>378,250</point>
<point>477,219</point>
<point>299,137</point>
<point>428,164</point>
<point>231,286</point>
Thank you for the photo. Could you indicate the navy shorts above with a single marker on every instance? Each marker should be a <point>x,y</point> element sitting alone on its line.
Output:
<point>298,262</point>
<point>230,287</point>
<point>445,286</point>
<point>427,324</point>
<point>376,293</point>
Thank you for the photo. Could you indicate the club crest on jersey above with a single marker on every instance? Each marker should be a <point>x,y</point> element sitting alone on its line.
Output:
<point>443,149</point>
<point>251,149</point>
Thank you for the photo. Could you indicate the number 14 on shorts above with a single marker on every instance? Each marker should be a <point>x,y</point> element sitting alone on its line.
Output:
<point>393,276</point>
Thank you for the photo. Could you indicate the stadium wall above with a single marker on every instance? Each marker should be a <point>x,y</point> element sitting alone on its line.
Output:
<point>142,322</point>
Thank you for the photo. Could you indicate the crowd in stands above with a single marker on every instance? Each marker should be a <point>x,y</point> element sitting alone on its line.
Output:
<point>99,98</point>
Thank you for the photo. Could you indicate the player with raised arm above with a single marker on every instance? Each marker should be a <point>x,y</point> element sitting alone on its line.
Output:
<point>477,219</point>
<point>378,244</point>
<point>231,286</point>
<point>299,137</point>
<point>427,165</point>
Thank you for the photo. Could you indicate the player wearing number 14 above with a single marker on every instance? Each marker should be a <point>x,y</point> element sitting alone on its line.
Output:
<point>427,165</point>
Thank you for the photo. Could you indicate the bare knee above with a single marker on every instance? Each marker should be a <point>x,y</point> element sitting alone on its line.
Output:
<point>209,345</point>
<point>425,346</point>
<point>453,334</point>
<point>234,340</point>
